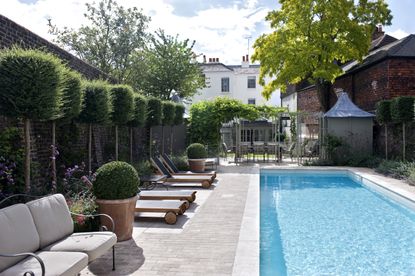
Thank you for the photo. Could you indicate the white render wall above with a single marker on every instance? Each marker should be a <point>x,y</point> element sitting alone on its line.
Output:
<point>238,84</point>
<point>290,101</point>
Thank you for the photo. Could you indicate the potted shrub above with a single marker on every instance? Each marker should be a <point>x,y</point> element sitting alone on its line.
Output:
<point>196,154</point>
<point>115,187</point>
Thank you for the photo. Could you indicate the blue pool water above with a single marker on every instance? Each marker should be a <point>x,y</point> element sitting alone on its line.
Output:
<point>328,224</point>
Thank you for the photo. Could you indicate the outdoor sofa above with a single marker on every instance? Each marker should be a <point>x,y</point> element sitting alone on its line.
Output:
<point>37,238</point>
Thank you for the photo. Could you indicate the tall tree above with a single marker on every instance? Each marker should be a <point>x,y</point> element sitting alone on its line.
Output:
<point>312,38</point>
<point>109,40</point>
<point>167,64</point>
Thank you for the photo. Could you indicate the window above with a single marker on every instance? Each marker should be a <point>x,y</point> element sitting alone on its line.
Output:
<point>246,135</point>
<point>225,84</point>
<point>252,82</point>
<point>251,101</point>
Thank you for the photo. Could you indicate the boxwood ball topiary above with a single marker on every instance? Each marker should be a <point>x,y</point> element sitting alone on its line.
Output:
<point>116,180</point>
<point>196,151</point>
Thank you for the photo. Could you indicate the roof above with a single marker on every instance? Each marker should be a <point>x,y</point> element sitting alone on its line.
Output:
<point>229,67</point>
<point>402,48</point>
<point>381,41</point>
<point>345,108</point>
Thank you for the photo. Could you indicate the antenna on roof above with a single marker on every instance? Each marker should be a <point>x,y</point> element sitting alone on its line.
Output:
<point>248,37</point>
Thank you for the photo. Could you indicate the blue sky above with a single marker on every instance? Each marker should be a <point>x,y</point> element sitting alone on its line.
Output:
<point>221,28</point>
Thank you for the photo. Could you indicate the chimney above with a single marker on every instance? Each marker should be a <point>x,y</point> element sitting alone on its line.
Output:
<point>378,32</point>
<point>245,61</point>
<point>217,59</point>
<point>247,58</point>
<point>243,58</point>
<point>210,59</point>
<point>204,58</point>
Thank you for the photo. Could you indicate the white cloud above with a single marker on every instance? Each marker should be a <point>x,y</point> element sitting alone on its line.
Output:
<point>219,31</point>
<point>399,33</point>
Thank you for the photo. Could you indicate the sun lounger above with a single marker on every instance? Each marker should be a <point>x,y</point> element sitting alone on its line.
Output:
<point>175,171</point>
<point>186,196</point>
<point>171,208</point>
<point>204,180</point>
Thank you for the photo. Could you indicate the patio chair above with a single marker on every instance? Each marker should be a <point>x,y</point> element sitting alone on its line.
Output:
<point>204,180</point>
<point>225,150</point>
<point>171,208</point>
<point>185,196</point>
<point>175,171</point>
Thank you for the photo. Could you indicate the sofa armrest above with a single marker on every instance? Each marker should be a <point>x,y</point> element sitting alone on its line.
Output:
<point>27,273</point>
<point>99,215</point>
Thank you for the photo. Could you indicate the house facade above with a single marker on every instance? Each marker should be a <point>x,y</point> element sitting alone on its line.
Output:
<point>234,81</point>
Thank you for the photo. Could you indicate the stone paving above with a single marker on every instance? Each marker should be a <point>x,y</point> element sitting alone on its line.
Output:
<point>203,241</point>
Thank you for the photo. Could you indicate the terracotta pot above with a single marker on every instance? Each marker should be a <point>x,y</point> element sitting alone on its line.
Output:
<point>197,165</point>
<point>122,212</point>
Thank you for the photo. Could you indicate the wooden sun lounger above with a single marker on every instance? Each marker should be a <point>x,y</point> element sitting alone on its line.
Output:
<point>186,196</point>
<point>204,180</point>
<point>175,171</point>
<point>171,208</point>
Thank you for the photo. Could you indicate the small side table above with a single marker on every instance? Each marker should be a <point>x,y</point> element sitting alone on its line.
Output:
<point>149,182</point>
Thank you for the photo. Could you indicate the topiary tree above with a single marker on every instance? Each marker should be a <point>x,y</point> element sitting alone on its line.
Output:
<point>154,117</point>
<point>71,88</point>
<point>139,118</point>
<point>196,151</point>
<point>168,109</point>
<point>383,116</point>
<point>116,180</point>
<point>29,89</point>
<point>401,112</point>
<point>122,102</point>
<point>178,120</point>
<point>95,109</point>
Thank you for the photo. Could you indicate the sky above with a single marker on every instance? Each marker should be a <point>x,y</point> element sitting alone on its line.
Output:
<point>224,29</point>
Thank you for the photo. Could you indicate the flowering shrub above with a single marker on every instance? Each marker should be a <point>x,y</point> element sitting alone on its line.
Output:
<point>83,203</point>
<point>72,182</point>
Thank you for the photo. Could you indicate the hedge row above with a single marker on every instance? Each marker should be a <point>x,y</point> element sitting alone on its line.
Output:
<point>398,110</point>
<point>38,85</point>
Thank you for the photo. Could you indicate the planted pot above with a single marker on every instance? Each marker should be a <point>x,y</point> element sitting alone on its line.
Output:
<point>197,165</point>
<point>115,187</point>
<point>122,212</point>
<point>196,154</point>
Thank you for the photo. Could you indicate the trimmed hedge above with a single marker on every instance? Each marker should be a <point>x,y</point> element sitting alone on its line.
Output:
<point>116,180</point>
<point>154,112</point>
<point>196,151</point>
<point>140,111</point>
<point>383,111</point>
<point>122,103</point>
<point>178,114</point>
<point>96,104</point>
<point>402,109</point>
<point>169,109</point>
<point>30,84</point>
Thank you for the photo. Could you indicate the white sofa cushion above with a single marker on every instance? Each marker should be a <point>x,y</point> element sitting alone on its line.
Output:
<point>94,244</point>
<point>52,218</point>
<point>56,263</point>
<point>18,233</point>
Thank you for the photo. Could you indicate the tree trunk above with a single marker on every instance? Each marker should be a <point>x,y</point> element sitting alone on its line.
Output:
<point>54,181</point>
<point>162,139</point>
<point>27,155</point>
<point>116,142</point>
<point>323,92</point>
<point>386,141</point>
<point>131,145</point>
<point>404,142</point>
<point>90,149</point>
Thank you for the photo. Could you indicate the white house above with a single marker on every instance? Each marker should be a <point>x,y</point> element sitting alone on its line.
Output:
<point>234,81</point>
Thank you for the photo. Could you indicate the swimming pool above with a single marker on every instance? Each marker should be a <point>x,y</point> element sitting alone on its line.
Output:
<point>328,223</point>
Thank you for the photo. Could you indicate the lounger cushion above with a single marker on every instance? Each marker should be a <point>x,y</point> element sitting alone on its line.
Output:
<point>18,233</point>
<point>94,244</point>
<point>56,263</point>
<point>52,218</point>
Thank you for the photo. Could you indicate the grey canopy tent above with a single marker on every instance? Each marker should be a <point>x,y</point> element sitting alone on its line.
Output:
<point>350,123</point>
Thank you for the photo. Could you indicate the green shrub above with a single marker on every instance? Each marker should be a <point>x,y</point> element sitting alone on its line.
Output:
<point>140,111</point>
<point>168,113</point>
<point>411,177</point>
<point>96,104</point>
<point>388,167</point>
<point>71,94</point>
<point>383,111</point>
<point>181,162</point>
<point>122,103</point>
<point>404,169</point>
<point>116,180</point>
<point>178,114</point>
<point>29,84</point>
<point>144,168</point>
<point>155,112</point>
<point>196,151</point>
<point>402,109</point>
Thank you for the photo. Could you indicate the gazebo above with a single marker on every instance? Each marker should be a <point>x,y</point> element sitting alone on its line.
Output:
<point>351,124</point>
